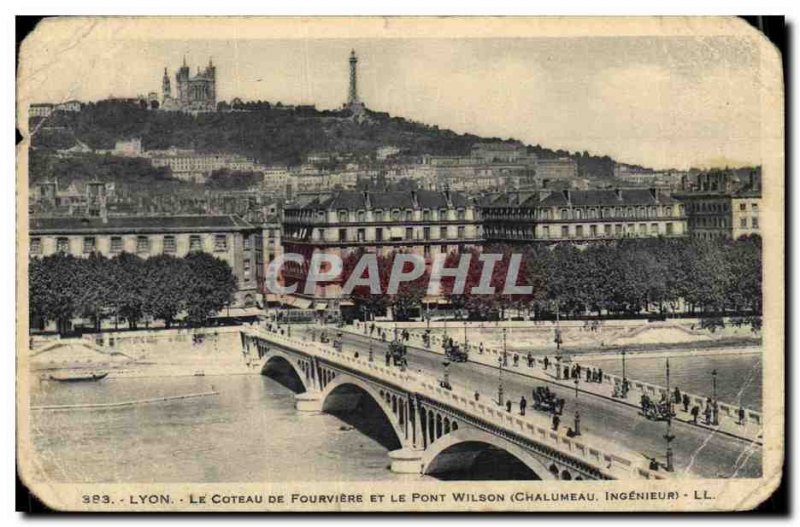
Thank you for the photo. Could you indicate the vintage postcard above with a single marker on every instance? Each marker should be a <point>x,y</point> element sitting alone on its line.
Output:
<point>400,264</point>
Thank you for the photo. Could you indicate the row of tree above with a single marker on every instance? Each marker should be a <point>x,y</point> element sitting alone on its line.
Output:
<point>126,287</point>
<point>627,278</point>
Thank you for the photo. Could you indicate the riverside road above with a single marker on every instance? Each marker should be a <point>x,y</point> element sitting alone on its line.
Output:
<point>698,452</point>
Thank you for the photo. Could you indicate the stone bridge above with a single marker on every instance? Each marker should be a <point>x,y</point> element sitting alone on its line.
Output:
<point>439,430</point>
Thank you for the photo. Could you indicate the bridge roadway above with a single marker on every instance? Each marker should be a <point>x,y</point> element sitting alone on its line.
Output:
<point>697,452</point>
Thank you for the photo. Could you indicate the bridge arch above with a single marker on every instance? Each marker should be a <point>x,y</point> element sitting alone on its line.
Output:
<point>343,384</point>
<point>459,449</point>
<point>285,363</point>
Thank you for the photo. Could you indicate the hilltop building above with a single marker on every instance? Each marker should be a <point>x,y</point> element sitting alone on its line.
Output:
<point>196,93</point>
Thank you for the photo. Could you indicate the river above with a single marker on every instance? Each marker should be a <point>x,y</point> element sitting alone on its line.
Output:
<point>250,432</point>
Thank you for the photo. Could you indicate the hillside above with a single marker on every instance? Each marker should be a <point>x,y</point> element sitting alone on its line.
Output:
<point>269,134</point>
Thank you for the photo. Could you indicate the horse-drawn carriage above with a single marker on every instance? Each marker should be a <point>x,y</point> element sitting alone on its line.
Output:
<point>454,353</point>
<point>547,401</point>
<point>656,411</point>
<point>397,351</point>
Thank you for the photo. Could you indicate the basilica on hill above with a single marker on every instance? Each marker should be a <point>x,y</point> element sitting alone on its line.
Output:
<point>196,93</point>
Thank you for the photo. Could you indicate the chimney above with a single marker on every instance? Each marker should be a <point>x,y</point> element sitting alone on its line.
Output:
<point>414,197</point>
<point>567,195</point>
<point>447,192</point>
<point>367,200</point>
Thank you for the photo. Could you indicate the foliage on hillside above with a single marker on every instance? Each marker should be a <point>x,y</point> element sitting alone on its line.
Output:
<point>269,134</point>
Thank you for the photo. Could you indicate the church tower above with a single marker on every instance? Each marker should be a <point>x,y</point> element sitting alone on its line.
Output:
<point>352,96</point>
<point>166,90</point>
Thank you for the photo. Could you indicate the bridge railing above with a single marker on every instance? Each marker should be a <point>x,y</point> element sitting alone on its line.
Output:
<point>611,461</point>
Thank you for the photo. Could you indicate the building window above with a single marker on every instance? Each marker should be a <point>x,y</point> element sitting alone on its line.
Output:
<point>248,243</point>
<point>409,233</point>
<point>607,229</point>
<point>220,242</point>
<point>194,243</point>
<point>360,235</point>
<point>395,214</point>
<point>754,206</point>
<point>409,215</point>
<point>427,251</point>
<point>116,244</point>
<point>593,230</point>
<point>461,232</point>
<point>642,228</point>
<point>462,214</point>
<point>654,228</point>
<point>342,235</point>
<point>426,215</point>
<point>36,245</point>
<point>742,206</point>
<point>379,234</point>
<point>169,244</point>
<point>88,245</point>
<point>342,216</point>
<point>426,233</point>
<point>579,231</point>
<point>361,215</point>
<point>246,269</point>
<point>669,229</point>
<point>743,223</point>
<point>754,222</point>
<point>545,232</point>
<point>564,231</point>
<point>142,245</point>
<point>62,245</point>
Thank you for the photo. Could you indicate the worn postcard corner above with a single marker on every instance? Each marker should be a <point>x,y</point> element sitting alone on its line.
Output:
<point>400,264</point>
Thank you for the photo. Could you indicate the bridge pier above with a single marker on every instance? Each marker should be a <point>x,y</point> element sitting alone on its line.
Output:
<point>308,402</point>
<point>406,460</point>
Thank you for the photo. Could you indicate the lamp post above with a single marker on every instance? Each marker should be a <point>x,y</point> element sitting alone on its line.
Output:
<point>500,373</point>
<point>714,412</point>
<point>624,378</point>
<point>669,435</point>
<point>371,357</point>
<point>558,340</point>
<point>577,408</point>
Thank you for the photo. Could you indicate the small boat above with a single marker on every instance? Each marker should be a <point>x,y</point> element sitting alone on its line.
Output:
<point>79,377</point>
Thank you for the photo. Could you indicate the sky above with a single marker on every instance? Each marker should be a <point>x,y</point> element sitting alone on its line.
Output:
<point>666,102</point>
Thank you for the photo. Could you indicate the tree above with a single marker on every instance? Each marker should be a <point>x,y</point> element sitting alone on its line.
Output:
<point>127,293</point>
<point>211,286</point>
<point>167,281</point>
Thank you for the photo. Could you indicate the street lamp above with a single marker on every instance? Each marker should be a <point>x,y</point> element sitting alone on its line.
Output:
<point>500,372</point>
<point>669,435</point>
<point>558,340</point>
<point>624,377</point>
<point>714,416</point>
<point>371,356</point>
<point>577,408</point>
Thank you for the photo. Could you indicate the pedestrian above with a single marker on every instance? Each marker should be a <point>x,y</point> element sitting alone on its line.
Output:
<point>588,375</point>
<point>546,362</point>
<point>599,374</point>
<point>577,371</point>
<point>707,414</point>
<point>508,406</point>
<point>653,464</point>
<point>695,413</point>
<point>388,357</point>
<point>741,415</point>
<point>556,422</point>
<point>677,395</point>
<point>686,402</point>
<point>522,405</point>
<point>530,360</point>
<point>516,360</point>
<point>480,348</point>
